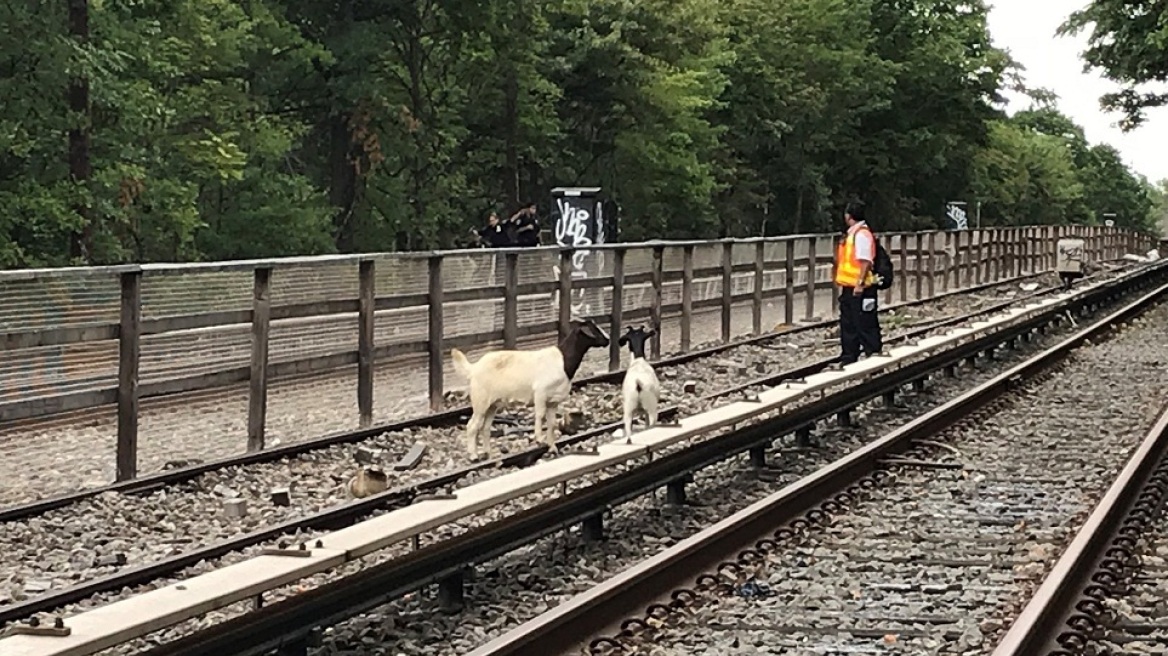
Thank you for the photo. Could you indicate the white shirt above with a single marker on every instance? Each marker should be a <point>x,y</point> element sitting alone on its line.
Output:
<point>865,245</point>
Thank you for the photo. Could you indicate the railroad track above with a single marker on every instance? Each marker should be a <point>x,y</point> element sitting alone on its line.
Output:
<point>67,550</point>
<point>1107,592</point>
<point>927,541</point>
<point>636,481</point>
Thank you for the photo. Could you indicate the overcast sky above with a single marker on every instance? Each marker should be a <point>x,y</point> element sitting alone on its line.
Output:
<point>1027,29</point>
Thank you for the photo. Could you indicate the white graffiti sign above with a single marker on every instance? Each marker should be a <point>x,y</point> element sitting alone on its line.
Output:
<point>958,216</point>
<point>574,229</point>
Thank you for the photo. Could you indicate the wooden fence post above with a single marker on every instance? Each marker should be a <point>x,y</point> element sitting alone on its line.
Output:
<point>687,274</point>
<point>511,301</point>
<point>965,252</point>
<point>727,287</point>
<point>789,292</point>
<point>1003,243</point>
<point>1049,245</point>
<point>129,355</point>
<point>756,299</point>
<point>950,246</point>
<point>618,309</point>
<point>979,259</point>
<point>903,267</point>
<point>1009,243</point>
<point>932,269</point>
<point>887,241</point>
<point>809,286</point>
<point>565,291</point>
<point>366,306</point>
<point>655,302</point>
<point>261,324</point>
<point>919,265</point>
<point>436,332</point>
<point>835,289</point>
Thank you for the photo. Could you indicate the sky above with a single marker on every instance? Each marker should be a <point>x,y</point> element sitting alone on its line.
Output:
<point>1027,29</point>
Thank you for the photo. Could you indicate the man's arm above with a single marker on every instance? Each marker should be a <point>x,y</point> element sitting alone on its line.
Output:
<point>865,253</point>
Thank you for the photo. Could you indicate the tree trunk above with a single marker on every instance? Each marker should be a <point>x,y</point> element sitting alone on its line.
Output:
<point>81,243</point>
<point>342,180</point>
<point>511,168</point>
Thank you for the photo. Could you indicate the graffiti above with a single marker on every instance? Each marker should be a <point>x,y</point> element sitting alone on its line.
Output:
<point>957,214</point>
<point>1072,251</point>
<point>574,229</point>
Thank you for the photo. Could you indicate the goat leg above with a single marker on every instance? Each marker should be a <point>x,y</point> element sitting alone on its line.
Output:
<point>540,412</point>
<point>473,428</point>
<point>650,407</point>
<point>551,427</point>
<point>485,431</point>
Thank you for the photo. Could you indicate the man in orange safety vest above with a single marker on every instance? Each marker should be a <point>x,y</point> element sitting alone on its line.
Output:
<point>859,323</point>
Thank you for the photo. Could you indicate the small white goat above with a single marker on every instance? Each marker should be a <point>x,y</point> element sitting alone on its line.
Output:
<point>542,377</point>
<point>641,390</point>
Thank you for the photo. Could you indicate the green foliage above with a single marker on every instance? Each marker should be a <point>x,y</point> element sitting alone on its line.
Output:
<point>1129,42</point>
<point>1039,168</point>
<point>1158,194</point>
<point>230,129</point>
<point>1026,177</point>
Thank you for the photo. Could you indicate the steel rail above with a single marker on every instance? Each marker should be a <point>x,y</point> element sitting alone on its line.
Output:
<point>1069,603</point>
<point>152,482</point>
<point>647,584</point>
<point>291,621</point>
<point>350,513</point>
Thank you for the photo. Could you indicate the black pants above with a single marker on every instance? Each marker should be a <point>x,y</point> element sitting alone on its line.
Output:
<point>859,329</point>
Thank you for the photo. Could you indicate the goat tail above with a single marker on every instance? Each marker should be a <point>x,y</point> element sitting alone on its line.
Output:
<point>461,364</point>
<point>639,388</point>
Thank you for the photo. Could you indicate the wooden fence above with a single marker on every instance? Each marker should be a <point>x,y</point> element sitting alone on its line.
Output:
<point>80,338</point>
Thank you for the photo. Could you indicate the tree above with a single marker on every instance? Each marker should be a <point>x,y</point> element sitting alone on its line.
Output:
<point>1024,177</point>
<point>225,129</point>
<point>1129,43</point>
<point>1109,187</point>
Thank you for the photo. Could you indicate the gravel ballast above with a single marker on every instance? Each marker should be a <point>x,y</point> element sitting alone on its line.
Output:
<point>99,536</point>
<point>519,586</point>
<point>940,561</point>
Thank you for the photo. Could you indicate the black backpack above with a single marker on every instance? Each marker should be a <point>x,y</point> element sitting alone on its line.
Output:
<point>882,266</point>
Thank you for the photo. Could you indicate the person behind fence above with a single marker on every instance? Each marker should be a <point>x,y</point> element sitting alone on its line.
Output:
<point>493,235</point>
<point>859,320</point>
<point>524,226</point>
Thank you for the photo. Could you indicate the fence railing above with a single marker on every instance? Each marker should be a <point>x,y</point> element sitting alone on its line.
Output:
<point>87,337</point>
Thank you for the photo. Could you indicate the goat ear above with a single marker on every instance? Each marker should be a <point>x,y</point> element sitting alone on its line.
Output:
<point>650,333</point>
<point>623,340</point>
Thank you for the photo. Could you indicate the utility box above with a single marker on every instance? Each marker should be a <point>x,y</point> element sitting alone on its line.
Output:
<point>1069,256</point>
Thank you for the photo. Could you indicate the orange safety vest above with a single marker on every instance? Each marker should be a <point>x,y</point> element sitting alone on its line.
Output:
<point>847,267</point>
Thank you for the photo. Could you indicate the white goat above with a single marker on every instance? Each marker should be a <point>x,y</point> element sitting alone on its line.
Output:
<point>542,377</point>
<point>641,390</point>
